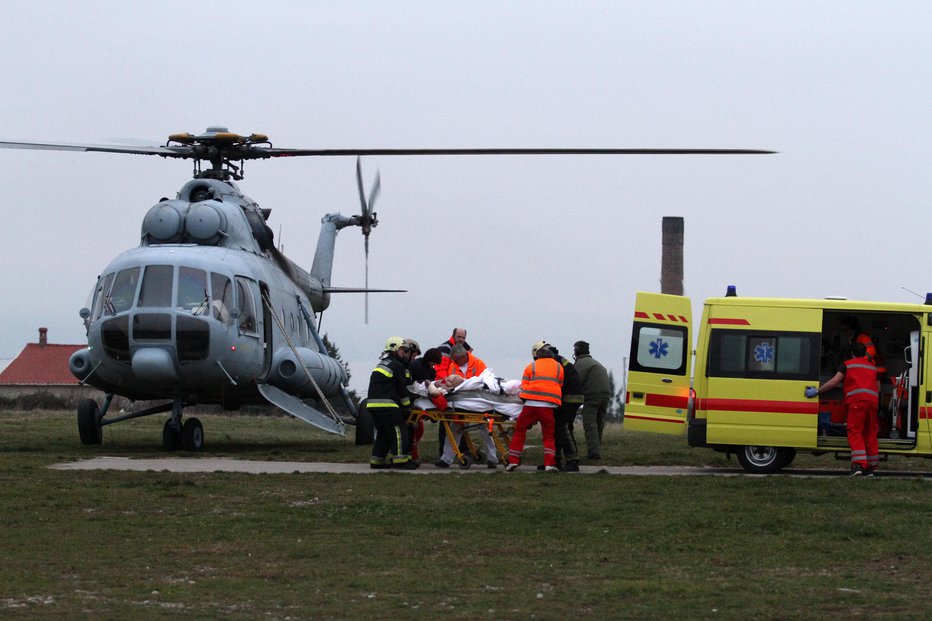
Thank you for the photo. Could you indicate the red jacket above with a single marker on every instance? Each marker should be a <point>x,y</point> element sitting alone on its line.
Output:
<point>861,381</point>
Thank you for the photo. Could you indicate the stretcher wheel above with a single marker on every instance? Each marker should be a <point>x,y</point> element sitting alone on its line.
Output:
<point>465,462</point>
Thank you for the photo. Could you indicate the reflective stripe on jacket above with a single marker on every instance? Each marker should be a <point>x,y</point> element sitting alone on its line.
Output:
<point>388,385</point>
<point>861,381</point>
<point>542,381</point>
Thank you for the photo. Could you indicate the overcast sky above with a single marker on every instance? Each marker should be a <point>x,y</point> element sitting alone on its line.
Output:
<point>515,249</point>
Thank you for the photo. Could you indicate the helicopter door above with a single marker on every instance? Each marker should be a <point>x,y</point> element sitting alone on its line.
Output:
<point>266,330</point>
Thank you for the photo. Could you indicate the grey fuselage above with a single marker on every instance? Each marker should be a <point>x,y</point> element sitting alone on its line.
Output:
<point>206,309</point>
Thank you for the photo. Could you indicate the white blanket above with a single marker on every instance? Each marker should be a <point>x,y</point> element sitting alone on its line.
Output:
<point>483,393</point>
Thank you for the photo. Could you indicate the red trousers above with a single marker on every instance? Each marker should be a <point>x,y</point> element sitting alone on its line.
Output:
<point>529,416</point>
<point>862,434</point>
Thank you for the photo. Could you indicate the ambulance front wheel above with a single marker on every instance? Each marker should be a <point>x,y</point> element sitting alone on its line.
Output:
<point>764,459</point>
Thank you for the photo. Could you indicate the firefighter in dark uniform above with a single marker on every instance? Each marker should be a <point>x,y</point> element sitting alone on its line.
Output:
<point>388,403</point>
<point>565,415</point>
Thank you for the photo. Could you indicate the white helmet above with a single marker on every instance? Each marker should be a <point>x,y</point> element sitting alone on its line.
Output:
<point>539,345</point>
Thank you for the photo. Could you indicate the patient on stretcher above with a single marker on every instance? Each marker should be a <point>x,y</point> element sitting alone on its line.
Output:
<point>483,393</point>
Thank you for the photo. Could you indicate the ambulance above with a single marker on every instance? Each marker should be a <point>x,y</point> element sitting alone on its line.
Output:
<point>741,391</point>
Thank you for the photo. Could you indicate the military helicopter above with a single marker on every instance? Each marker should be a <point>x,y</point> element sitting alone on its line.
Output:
<point>208,311</point>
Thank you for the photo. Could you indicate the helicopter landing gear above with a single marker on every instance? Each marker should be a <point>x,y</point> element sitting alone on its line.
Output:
<point>89,422</point>
<point>175,436</point>
<point>171,435</point>
<point>192,435</point>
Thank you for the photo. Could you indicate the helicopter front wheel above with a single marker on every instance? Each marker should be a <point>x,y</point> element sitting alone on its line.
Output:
<point>89,422</point>
<point>192,435</point>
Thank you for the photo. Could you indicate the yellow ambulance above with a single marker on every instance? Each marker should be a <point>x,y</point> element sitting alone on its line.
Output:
<point>741,390</point>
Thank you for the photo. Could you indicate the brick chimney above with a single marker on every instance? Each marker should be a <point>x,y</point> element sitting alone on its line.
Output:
<point>43,336</point>
<point>671,260</point>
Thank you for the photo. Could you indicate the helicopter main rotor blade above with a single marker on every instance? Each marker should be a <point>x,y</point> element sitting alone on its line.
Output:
<point>279,152</point>
<point>361,290</point>
<point>179,151</point>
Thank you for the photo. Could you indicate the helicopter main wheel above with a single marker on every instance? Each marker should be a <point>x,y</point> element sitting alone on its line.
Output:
<point>365,430</point>
<point>89,422</point>
<point>192,435</point>
<point>171,436</point>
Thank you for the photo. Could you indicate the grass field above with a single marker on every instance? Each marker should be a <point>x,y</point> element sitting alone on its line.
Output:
<point>124,545</point>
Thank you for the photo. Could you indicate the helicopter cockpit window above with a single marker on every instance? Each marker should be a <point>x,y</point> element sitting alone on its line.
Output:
<point>102,293</point>
<point>247,306</point>
<point>123,292</point>
<point>222,297</point>
<point>192,290</point>
<point>157,286</point>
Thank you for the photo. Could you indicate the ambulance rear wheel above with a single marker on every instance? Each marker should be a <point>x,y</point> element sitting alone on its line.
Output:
<point>764,459</point>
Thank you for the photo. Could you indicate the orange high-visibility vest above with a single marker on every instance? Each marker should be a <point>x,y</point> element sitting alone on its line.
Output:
<point>543,381</point>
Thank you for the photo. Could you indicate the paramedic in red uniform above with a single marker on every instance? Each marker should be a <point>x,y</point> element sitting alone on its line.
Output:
<point>542,392</point>
<point>862,395</point>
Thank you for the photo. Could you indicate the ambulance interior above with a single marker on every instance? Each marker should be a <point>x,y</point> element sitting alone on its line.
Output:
<point>895,337</point>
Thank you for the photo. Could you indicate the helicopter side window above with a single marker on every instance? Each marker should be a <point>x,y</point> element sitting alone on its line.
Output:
<point>124,291</point>
<point>247,306</point>
<point>192,290</point>
<point>222,295</point>
<point>103,291</point>
<point>157,286</point>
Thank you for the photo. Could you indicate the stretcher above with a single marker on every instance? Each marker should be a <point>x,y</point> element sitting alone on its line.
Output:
<point>499,426</point>
<point>484,401</point>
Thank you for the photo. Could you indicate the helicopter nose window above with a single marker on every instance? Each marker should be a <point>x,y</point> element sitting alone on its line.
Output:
<point>222,294</point>
<point>124,291</point>
<point>192,290</point>
<point>156,286</point>
<point>103,290</point>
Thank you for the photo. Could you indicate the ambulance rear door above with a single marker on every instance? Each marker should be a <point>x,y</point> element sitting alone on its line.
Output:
<point>660,364</point>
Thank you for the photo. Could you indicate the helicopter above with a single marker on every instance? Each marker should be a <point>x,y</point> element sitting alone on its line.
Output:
<point>207,310</point>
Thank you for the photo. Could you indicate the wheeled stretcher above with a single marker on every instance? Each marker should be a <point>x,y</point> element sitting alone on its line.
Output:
<point>498,425</point>
<point>484,401</point>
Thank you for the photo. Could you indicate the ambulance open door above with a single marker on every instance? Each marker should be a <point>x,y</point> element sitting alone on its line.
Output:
<point>660,364</point>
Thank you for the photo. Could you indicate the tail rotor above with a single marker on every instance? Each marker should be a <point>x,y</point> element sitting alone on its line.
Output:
<point>368,219</point>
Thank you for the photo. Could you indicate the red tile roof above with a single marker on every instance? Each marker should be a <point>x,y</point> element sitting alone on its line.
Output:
<point>41,364</point>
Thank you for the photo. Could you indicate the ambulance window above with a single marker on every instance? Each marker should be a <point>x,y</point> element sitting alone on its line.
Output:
<point>795,353</point>
<point>778,355</point>
<point>659,349</point>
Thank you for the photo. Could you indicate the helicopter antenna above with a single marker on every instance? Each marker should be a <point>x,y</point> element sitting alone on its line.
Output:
<point>368,219</point>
